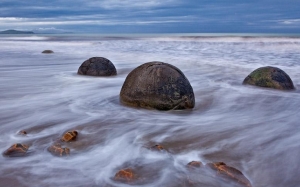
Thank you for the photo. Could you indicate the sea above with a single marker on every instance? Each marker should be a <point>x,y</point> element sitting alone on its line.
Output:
<point>255,130</point>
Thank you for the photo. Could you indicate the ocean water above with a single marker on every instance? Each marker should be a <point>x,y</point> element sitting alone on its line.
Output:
<point>254,130</point>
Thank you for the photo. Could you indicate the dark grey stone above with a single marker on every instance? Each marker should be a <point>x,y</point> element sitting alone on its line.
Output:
<point>47,51</point>
<point>97,66</point>
<point>157,85</point>
<point>270,77</point>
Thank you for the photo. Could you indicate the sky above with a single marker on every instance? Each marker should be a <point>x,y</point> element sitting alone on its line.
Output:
<point>152,16</point>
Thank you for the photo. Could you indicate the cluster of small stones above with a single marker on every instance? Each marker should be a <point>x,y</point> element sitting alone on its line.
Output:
<point>56,149</point>
<point>128,175</point>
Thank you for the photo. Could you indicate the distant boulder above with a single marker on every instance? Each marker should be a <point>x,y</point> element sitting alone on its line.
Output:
<point>97,66</point>
<point>47,51</point>
<point>159,86</point>
<point>270,77</point>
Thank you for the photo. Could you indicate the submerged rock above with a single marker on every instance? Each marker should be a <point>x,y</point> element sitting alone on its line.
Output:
<point>157,148</point>
<point>69,136</point>
<point>159,86</point>
<point>47,51</point>
<point>22,132</point>
<point>230,173</point>
<point>57,150</point>
<point>125,175</point>
<point>16,150</point>
<point>97,66</point>
<point>194,164</point>
<point>270,77</point>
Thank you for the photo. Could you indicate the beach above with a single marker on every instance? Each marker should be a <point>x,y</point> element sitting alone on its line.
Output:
<point>255,130</point>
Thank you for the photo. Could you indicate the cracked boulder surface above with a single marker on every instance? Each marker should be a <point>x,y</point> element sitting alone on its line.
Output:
<point>270,77</point>
<point>157,85</point>
<point>97,66</point>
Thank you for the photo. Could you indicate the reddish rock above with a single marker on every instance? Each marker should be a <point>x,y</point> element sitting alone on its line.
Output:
<point>69,136</point>
<point>194,164</point>
<point>229,172</point>
<point>58,150</point>
<point>125,175</point>
<point>16,150</point>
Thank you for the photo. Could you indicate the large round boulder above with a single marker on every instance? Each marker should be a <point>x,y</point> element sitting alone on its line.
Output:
<point>97,66</point>
<point>157,85</point>
<point>270,77</point>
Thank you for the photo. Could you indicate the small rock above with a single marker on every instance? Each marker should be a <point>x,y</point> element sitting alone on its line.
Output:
<point>194,164</point>
<point>125,175</point>
<point>58,150</point>
<point>270,77</point>
<point>47,51</point>
<point>16,150</point>
<point>97,66</point>
<point>157,148</point>
<point>230,172</point>
<point>22,132</point>
<point>157,85</point>
<point>69,136</point>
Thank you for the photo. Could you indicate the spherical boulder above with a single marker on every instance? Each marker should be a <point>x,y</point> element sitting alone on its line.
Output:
<point>47,51</point>
<point>270,77</point>
<point>157,85</point>
<point>97,66</point>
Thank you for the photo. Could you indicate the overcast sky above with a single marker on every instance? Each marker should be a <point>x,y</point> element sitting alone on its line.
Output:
<point>152,16</point>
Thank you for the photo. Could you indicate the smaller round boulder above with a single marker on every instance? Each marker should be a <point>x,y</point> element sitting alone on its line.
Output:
<point>97,66</point>
<point>270,77</point>
<point>47,51</point>
<point>157,85</point>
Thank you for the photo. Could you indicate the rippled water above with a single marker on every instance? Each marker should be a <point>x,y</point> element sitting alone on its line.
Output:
<point>252,129</point>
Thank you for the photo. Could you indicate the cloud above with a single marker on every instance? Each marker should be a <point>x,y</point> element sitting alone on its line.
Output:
<point>290,21</point>
<point>124,4</point>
